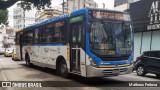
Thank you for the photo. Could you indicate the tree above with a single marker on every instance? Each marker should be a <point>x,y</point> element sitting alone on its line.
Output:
<point>3,16</point>
<point>25,4</point>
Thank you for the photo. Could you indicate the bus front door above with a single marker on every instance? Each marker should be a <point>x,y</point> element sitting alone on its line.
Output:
<point>20,42</point>
<point>75,47</point>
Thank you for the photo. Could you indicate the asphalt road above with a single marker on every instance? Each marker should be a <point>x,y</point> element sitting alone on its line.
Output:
<point>17,71</point>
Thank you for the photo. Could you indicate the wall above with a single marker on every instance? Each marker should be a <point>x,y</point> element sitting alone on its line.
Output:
<point>77,4</point>
<point>122,7</point>
<point>18,18</point>
<point>1,39</point>
<point>146,41</point>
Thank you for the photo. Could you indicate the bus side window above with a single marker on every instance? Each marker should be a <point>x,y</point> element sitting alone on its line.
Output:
<point>43,39</point>
<point>49,33</point>
<point>36,35</point>
<point>40,34</point>
<point>60,28</point>
<point>25,40</point>
<point>30,37</point>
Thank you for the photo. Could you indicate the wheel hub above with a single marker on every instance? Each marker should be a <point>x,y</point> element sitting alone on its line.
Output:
<point>140,70</point>
<point>63,68</point>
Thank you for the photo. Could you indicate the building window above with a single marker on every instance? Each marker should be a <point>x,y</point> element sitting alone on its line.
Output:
<point>120,2</point>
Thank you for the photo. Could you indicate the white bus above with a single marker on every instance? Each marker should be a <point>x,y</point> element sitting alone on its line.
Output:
<point>88,42</point>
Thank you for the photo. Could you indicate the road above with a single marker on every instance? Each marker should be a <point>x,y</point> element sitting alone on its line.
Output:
<point>17,71</point>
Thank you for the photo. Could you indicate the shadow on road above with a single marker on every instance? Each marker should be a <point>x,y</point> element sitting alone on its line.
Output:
<point>150,76</point>
<point>78,81</point>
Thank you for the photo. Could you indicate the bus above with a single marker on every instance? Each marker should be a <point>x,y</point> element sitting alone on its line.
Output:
<point>87,42</point>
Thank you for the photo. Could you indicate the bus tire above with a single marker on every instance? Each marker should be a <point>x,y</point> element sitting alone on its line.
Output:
<point>27,59</point>
<point>63,70</point>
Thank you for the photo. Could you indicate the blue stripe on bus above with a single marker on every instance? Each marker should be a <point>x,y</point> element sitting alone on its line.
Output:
<point>44,45</point>
<point>46,22</point>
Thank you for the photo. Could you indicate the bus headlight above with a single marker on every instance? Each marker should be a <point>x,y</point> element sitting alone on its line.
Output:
<point>92,62</point>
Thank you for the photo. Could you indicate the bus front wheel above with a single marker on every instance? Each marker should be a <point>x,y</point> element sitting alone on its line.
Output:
<point>63,71</point>
<point>27,60</point>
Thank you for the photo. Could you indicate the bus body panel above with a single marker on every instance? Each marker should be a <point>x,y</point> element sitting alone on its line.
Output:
<point>104,72</point>
<point>18,51</point>
<point>46,54</point>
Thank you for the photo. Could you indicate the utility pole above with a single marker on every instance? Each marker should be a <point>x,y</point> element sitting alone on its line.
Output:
<point>79,4</point>
<point>104,5</point>
<point>67,7</point>
<point>73,5</point>
<point>84,3</point>
<point>63,6</point>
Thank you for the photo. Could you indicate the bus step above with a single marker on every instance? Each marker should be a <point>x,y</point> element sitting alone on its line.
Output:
<point>76,72</point>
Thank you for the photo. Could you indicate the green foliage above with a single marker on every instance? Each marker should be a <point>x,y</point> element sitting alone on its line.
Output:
<point>25,4</point>
<point>3,16</point>
<point>39,4</point>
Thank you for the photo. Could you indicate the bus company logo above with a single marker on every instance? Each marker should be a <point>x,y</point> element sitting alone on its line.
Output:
<point>6,84</point>
<point>154,15</point>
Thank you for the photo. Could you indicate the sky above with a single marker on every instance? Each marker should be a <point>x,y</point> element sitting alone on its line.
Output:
<point>56,3</point>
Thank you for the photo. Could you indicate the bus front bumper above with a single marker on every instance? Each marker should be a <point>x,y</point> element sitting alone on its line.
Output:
<point>105,72</point>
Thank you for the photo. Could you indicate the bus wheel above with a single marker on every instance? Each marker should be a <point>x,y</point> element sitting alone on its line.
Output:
<point>63,71</point>
<point>27,60</point>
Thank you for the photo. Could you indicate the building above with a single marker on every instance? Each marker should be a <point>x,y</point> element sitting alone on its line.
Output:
<point>6,36</point>
<point>37,15</point>
<point>123,5</point>
<point>18,17</point>
<point>30,17</point>
<point>10,33</point>
<point>46,14</point>
<point>72,5</point>
<point>146,23</point>
<point>23,18</point>
<point>2,34</point>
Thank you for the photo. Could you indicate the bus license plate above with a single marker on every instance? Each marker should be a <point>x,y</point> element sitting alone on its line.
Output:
<point>116,72</point>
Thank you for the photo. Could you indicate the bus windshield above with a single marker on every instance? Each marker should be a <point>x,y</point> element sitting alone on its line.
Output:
<point>110,38</point>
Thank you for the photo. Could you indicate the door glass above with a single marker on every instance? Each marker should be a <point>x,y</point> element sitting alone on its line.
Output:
<point>76,35</point>
<point>76,39</point>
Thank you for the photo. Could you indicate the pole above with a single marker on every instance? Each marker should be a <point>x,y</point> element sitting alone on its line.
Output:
<point>73,5</point>
<point>63,6</point>
<point>67,7</point>
<point>78,4</point>
<point>84,3</point>
<point>103,5</point>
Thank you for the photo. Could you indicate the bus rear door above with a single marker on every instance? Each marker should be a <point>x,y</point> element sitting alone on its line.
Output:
<point>20,42</point>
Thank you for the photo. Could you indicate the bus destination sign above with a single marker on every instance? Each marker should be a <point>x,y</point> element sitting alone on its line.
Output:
<point>106,15</point>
